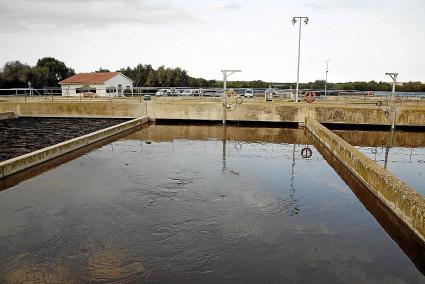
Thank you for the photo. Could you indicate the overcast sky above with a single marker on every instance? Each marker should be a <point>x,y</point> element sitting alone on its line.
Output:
<point>362,38</point>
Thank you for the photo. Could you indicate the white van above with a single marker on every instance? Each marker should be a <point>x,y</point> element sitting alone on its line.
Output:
<point>249,93</point>
<point>163,92</point>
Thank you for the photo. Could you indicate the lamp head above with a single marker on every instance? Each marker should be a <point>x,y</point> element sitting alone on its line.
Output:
<point>306,21</point>
<point>294,21</point>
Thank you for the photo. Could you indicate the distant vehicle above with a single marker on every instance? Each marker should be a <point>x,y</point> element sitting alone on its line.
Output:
<point>197,92</point>
<point>176,92</point>
<point>188,92</point>
<point>249,93</point>
<point>89,95</point>
<point>212,93</point>
<point>146,97</point>
<point>162,92</point>
<point>271,92</point>
<point>185,93</point>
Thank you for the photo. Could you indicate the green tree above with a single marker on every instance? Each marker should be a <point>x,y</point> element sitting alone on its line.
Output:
<point>101,70</point>
<point>53,71</point>
<point>16,75</point>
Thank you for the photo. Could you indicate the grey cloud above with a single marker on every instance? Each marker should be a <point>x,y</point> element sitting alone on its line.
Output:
<point>19,15</point>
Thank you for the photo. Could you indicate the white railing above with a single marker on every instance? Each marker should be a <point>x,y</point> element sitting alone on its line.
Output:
<point>208,94</point>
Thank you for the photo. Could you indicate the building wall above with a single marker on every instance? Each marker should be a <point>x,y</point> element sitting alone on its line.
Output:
<point>70,89</point>
<point>119,79</point>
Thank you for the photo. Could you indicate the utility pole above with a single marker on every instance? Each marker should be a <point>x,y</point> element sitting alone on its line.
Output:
<point>294,21</point>
<point>394,78</point>
<point>226,74</point>
<point>29,86</point>
<point>326,79</point>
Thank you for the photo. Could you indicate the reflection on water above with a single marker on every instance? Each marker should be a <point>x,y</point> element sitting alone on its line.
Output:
<point>402,153</point>
<point>195,204</point>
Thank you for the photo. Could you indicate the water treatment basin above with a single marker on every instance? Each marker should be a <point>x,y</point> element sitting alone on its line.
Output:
<point>196,204</point>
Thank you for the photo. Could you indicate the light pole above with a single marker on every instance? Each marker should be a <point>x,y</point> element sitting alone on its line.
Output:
<point>326,79</point>
<point>294,21</point>
<point>226,74</point>
<point>29,86</point>
<point>394,78</point>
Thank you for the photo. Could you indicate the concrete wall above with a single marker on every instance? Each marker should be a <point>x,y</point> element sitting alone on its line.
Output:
<point>23,162</point>
<point>202,110</point>
<point>7,115</point>
<point>403,200</point>
<point>75,109</point>
<point>271,112</point>
<point>412,245</point>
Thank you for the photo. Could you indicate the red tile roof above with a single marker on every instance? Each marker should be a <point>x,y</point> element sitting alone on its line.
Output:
<point>89,78</point>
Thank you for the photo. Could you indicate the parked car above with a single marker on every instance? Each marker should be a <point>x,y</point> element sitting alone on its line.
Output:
<point>271,92</point>
<point>187,92</point>
<point>197,92</point>
<point>249,93</point>
<point>162,92</point>
<point>212,93</point>
<point>175,92</point>
<point>89,94</point>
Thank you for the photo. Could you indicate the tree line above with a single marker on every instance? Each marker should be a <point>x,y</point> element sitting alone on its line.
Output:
<point>48,71</point>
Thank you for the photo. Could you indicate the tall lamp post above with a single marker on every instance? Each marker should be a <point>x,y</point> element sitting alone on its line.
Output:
<point>29,86</point>
<point>294,21</point>
<point>394,78</point>
<point>326,79</point>
<point>226,74</point>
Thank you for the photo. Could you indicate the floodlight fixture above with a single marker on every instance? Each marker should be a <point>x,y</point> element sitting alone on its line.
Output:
<point>226,74</point>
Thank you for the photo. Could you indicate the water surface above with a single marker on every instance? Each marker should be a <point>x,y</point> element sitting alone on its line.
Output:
<point>195,204</point>
<point>401,152</point>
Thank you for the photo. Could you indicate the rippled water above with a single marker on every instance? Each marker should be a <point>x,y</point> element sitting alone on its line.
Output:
<point>180,204</point>
<point>401,152</point>
<point>27,134</point>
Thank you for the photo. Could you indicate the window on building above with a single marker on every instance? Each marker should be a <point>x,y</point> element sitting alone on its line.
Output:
<point>85,90</point>
<point>110,90</point>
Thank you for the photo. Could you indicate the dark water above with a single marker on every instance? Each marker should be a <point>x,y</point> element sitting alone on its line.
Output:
<point>177,204</point>
<point>402,153</point>
<point>24,135</point>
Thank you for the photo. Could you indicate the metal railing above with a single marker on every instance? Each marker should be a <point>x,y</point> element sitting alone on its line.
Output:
<point>204,94</point>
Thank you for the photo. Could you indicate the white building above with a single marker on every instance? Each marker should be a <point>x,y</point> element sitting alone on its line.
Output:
<point>102,84</point>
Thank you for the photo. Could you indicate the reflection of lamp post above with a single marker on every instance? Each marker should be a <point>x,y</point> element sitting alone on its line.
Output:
<point>292,177</point>
<point>224,147</point>
<point>394,78</point>
<point>389,143</point>
<point>294,21</point>
<point>226,74</point>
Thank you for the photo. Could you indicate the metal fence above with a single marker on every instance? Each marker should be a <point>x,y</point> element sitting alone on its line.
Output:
<point>206,94</point>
